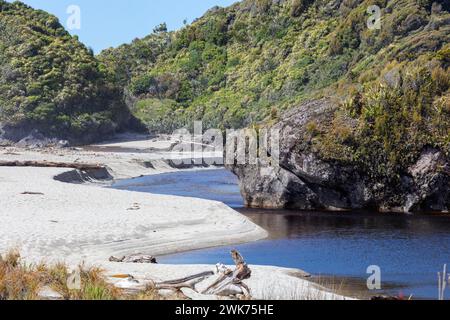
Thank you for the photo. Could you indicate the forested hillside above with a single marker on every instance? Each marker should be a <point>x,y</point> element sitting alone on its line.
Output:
<point>238,65</point>
<point>51,82</point>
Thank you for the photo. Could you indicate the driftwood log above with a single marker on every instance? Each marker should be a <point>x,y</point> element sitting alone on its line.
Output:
<point>48,164</point>
<point>231,278</point>
<point>187,282</point>
<point>135,258</point>
<point>229,282</point>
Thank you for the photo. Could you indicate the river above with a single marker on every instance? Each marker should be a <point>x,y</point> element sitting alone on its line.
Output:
<point>408,249</point>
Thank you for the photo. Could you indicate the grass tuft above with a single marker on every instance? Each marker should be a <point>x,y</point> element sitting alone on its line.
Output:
<point>19,281</point>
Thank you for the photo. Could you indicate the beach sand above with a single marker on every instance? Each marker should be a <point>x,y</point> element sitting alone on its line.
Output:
<point>49,215</point>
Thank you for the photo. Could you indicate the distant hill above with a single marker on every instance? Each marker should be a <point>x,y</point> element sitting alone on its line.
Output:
<point>52,83</point>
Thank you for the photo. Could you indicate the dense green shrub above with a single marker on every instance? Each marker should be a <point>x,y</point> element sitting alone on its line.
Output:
<point>50,81</point>
<point>396,120</point>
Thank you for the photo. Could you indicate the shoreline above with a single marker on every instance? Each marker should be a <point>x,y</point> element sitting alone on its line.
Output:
<point>53,221</point>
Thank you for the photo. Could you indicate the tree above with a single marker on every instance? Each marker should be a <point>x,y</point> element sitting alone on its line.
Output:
<point>160,28</point>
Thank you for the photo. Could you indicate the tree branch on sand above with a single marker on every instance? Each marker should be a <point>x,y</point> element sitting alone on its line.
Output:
<point>47,164</point>
<point>228,282</point>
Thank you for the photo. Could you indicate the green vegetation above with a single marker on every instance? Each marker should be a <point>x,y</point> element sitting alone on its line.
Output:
<point>238,66</point>
<point>245,64</point>
<point>384,126</point>
<point>50,81</point>
<point>235,65</point>
<point>21,281</point>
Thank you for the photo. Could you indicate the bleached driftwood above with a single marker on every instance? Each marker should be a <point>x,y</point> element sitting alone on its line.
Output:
<point>189,278</point>
<point>228,283</point>
<point>231,281</point>
<point>187,282</point>
<point>135,258</point>
<point>48,164</point>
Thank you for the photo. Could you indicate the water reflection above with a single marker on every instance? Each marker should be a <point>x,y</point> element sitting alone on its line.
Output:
<point>410,250</point>
<point>293,224</point>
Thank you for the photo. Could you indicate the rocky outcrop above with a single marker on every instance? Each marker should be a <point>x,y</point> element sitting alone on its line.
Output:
<point>26,136</point>
<point>305,181</point>
<point>30,135</point>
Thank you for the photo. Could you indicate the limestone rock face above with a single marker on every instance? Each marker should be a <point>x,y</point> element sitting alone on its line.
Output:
<point>305,181</point>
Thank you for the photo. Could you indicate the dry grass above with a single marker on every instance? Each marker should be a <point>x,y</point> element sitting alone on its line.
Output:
<point>19,281</point>
<point>93,284</point>
<point>150,293</point>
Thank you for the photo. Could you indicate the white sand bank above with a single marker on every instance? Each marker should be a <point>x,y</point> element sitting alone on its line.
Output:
<point>73,222</point>
<point>50,220</point>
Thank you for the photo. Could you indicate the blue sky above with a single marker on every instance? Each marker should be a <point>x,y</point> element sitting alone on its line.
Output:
<point>109,23</point>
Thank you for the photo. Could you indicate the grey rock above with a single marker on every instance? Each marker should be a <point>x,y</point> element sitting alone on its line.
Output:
<point>305,181</point>
<point>392,78</point>
<point>431,185</point>
<point>26,137</point>
<point>411,23</point>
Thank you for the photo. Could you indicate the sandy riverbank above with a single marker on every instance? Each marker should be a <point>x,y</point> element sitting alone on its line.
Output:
<point>55,220</point>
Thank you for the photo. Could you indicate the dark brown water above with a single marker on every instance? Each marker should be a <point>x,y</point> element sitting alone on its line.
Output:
<point>410,250</point>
